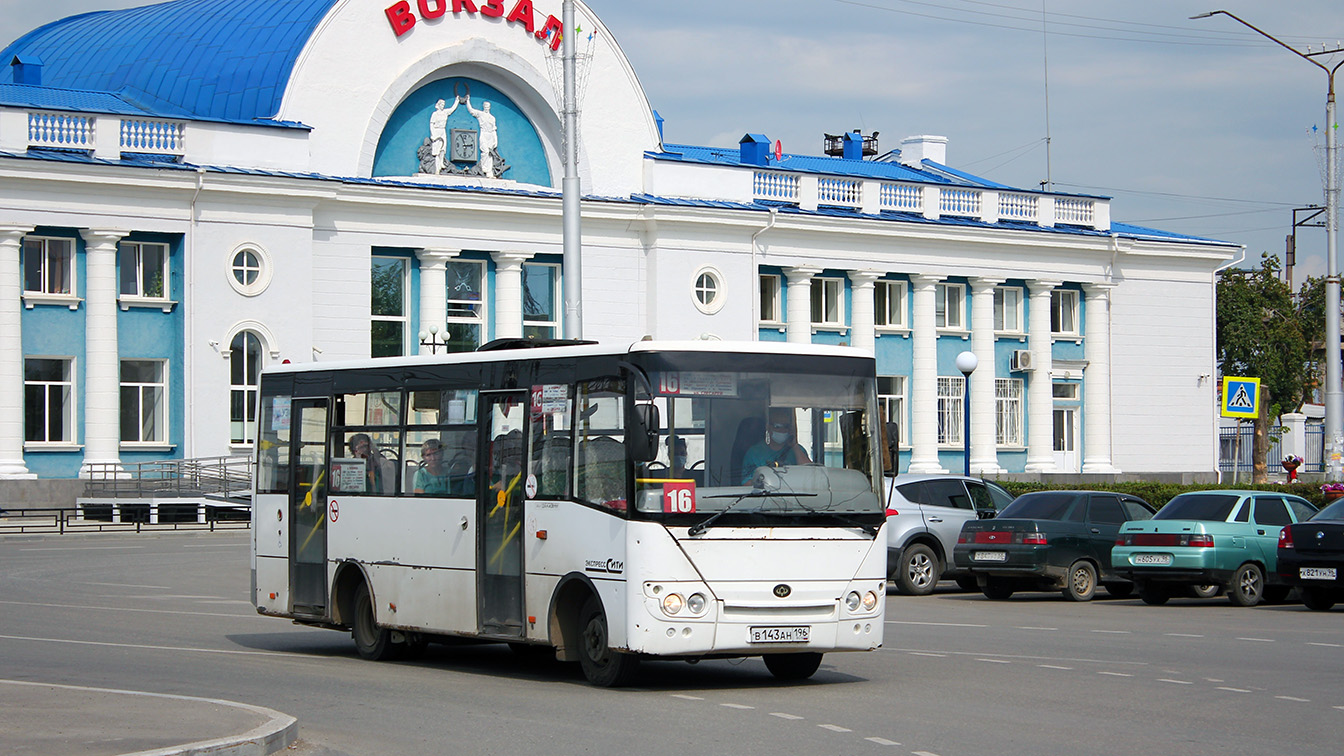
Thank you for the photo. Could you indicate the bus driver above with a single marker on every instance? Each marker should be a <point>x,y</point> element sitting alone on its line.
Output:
<point>780,446</point>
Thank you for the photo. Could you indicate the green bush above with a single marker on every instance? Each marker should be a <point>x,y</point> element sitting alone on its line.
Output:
<point>1158,494</point>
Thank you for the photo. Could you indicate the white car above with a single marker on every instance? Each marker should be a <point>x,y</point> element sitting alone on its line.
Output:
<point>924,517</point>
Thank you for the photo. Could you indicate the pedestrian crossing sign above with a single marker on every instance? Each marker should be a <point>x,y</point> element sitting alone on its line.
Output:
<point>1241,397</point>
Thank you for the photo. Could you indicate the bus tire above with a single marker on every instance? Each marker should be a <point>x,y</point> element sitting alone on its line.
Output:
<point>604,667</point>
<point>371,641</point>
<point>792,666</point>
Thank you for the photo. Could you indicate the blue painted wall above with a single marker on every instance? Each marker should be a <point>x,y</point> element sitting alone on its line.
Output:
<point>152,334</point>
<point>58,331</point>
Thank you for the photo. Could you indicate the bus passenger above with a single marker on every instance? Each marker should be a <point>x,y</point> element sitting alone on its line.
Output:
<point>432,477</point>
<point>780,446</point>
<point>376,479</point>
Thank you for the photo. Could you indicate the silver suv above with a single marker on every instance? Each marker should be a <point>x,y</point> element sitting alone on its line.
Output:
<point>924,517</point>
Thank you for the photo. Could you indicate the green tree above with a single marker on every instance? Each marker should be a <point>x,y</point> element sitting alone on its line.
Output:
<point>1261,334</point>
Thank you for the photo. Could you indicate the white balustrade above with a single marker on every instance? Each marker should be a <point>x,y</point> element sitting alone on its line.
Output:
<point>1019,207</point>
<point>903,198</point>
<point>839,191</point>
<point>776,186</point>
<point>1076,211</point>
<point>956,201</point>
<point>153,137</point>
<point>62,130</point>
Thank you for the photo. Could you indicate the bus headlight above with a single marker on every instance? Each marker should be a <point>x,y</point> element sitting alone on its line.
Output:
<point>696,603</point>
<point>852,601</point>
<point>869,601</point>
<point>672,603</point>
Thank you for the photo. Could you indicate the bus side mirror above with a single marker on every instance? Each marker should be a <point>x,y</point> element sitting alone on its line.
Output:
<point>643,440</point>
<point>891,450</point>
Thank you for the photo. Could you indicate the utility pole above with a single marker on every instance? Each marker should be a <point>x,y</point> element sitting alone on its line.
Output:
<point>570,190</point>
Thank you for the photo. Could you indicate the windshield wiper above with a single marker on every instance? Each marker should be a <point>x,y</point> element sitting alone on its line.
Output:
<point>697,529</point>
<point>869,529</point>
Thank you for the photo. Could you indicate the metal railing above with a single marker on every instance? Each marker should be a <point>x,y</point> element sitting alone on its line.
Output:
<point>215,477</point>
<point>1236,450</point>
<point>133,518</point>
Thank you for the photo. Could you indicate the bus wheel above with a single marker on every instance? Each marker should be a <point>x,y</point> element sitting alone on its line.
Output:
<point>792,666</point>
<point>602,666</point>
<point>372,642</point>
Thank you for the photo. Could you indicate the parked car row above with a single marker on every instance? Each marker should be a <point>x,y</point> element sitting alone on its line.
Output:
<point>1255,546</point>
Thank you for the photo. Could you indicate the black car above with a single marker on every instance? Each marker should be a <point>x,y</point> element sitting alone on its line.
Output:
<point>1050,540</point>
<point>1311,557</point>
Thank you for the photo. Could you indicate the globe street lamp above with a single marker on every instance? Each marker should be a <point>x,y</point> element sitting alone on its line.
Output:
<point>1334,391</point>
<point>966,363</point>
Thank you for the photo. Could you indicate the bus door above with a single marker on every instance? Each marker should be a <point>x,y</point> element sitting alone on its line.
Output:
<point>308,508</point>
<point>499,566</point>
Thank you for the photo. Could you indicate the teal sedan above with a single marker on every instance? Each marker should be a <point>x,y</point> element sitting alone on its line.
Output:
<point>1226,540</point>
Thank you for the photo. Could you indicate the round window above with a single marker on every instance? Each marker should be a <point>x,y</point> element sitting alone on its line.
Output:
<point>707,287</point>
<point>250,270</point>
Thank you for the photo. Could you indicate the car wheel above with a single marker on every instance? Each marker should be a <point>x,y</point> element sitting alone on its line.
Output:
<point>1248,585</point>
<point>1317,599</point>
<point>967,583</point>
<point>918,572</point>
<point>1153,594</point>
<point>1204,591</point>
<point>792,666</point>
<point>1081,582</point>
<point>996,588</point>
<point>1119,590</point>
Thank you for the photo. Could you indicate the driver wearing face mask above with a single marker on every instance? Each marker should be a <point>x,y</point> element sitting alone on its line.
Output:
<point>780,446</point>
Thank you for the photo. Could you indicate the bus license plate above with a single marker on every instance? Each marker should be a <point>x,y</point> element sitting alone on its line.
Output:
<point>794,634</point>
<point>1318,573</point>
<point>990,556</point>
<point>1158,559</point>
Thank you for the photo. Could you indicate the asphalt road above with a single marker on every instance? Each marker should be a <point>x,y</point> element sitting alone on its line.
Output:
<point>959,675</point>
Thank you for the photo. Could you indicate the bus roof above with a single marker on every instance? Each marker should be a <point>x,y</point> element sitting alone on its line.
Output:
<point>583,350</point>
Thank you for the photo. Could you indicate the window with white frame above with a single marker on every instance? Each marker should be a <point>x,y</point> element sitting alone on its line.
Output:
<point>889,304</point>
<point>541,301</point>
<point>144,270</point>
<point>891,402</point>
<point>1007,309</point>
<point>1008,411</point>
<point>951,393</point>
<point>250,270</point>
<point>772,305</point>
<point>388,310</point>
<point>950,307</point>
<point>709,291</point>
<point>144,402</point>
<point>828,302</point>
<point>1064,312</point>
<point>244,374</point>
<point>48,266</point>
<point>48,391</point>
<point>466,305</point>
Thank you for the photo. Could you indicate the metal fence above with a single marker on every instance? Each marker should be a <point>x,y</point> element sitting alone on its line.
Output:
<point>1236,447</point>
<point>133,519</point>
<point>226,478</point>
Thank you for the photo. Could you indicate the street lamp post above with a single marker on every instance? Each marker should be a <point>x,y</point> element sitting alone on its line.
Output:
<point>966,363</point>
<point>1334,391</point>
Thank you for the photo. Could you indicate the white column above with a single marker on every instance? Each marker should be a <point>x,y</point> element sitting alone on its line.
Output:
<point>799,306</point>
<point>102,369</point>
<point>1040,394</point>
<point>12,464</point>
<point>924,378</point>
<point>863,329</point>
<point>984,412</point>
<point>433,293</point>
<point>509,293</point>
<point>1097,380</point>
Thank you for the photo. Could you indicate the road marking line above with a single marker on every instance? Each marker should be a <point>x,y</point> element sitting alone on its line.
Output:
<point>882,741</point>
<point>86,548</point>
<point>782,715</point>
<point>127,609</point>
<point>933,624</point>
<point>1115,674</point>
<point>1025,657</point>
<point>736,706</point>
<point>685,697</point>
<point>1174,682</point>
<point>1182,635</point>
<point>1326,645</point>
<point>994,661</point>
<point>1294,699</point>
<point>1235,690</point>
<point>1341,708</point>
<point>1050,629</point>
<point>129,585</point>
<point>1053,666</point>
<point>1257,640</point>
<point>834,728</point>
<point>924,753</point>
<point>157,648</point>
<point>1113,632</point>
<point>925,653</point>
<point>1213,680</point>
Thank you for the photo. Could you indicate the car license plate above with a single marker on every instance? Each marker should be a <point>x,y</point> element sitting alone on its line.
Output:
<point>1318,573</point>
<point>989,556</point>
<point>1158,559</point>
<point>792,634</point>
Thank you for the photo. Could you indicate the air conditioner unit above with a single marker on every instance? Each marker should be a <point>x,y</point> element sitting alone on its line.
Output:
<point>1020,361</point>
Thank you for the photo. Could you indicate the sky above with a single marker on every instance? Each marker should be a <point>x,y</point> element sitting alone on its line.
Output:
<point>1200,127</point>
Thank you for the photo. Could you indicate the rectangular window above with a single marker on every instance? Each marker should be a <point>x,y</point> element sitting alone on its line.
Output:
<point>891,401</point>
<point>48,266</point>
<point>828,302</point>
<point>1008,310</point>
<point>144,402</point>
<point>541,301</point>
<point>144,270</point>
<point>772,310</point>
<point>950,396</point>
<point>1065,391</point>
<point>466,305</point>
<point>599,451</point>
<point>949,307</point>
<point>388,307</point>
<point>1064,312</point>
<point>48,407</point>
<point>889,310</point>
<point>1008,411</point>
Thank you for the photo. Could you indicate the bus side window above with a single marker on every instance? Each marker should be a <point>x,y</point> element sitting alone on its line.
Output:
<point>550,453</point>
<point>599,461</point>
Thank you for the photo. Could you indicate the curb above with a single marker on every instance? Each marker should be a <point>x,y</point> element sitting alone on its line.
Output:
<point>277,733</point>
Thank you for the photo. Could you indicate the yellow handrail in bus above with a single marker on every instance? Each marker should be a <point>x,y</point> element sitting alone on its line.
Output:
<point>308,502</point>
<point>502,500</point>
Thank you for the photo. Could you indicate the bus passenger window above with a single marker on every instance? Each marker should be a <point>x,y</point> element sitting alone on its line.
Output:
<point>599,461</point>
<point>551,442</point>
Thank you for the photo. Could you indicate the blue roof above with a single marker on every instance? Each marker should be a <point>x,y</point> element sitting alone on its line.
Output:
<point>221,60</point>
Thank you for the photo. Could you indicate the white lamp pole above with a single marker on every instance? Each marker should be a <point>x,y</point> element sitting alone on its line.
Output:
<point>966,363</point>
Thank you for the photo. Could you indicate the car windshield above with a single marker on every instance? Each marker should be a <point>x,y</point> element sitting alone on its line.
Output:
<point>1042,505</point>
<point>1214,507</point>
<point>1333,512</point>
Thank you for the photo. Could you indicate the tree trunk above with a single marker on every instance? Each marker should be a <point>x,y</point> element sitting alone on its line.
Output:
<point>1260,447</point>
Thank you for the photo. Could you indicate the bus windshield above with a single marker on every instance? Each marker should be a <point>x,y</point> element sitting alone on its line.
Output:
<point>765,444</point>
